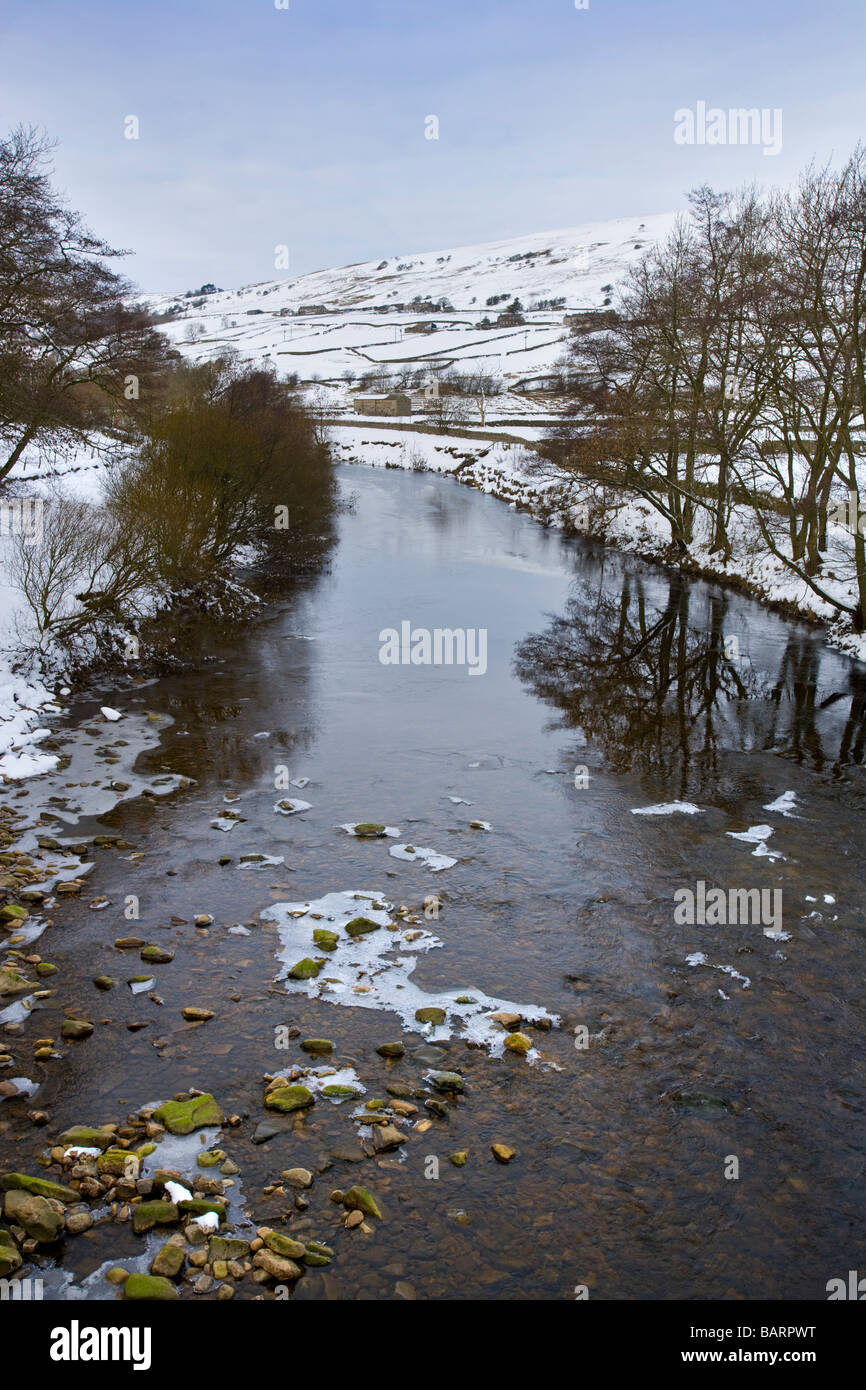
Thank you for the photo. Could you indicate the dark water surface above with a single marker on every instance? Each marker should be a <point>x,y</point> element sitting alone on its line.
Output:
<point>596,662</point>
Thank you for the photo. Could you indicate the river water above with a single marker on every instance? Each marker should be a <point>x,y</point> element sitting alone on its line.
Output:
<point>692,1126</point>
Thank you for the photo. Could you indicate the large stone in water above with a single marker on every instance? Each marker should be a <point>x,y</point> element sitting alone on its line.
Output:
<point>41,1221</point>
<point>146,1215</point>
<point>184,1116</point>
<point>289,1098</point>
<point>360,1199</point>
<point>149,1288</point>
<point>39,1187</point>
<point>360,926</point>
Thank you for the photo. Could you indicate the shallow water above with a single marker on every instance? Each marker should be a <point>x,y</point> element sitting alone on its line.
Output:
<point>611,686</point>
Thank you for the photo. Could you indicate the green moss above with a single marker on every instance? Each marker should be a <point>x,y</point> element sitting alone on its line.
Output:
<point>155,955</point>
<point>10,1259</point>
<point>305,969</point>
<point>431,1015</point>
<point>289,1098</point>
<point>324,939</point>
<point>118,1163</point>
<point>13,912</point>
<point>149,1288</point>
<point>184,1116</point>
<point>146,1215</point>
<point>369,830</point>
<point>210,1158</point>
<point>85,1137</point>
<point>360,1199</point>
<point>169,1261</point>
<point>39,1187</point>
<point>227,1248</point>
<point>200,1206</point>
<point>359,926</point>
<point>285,1246</point>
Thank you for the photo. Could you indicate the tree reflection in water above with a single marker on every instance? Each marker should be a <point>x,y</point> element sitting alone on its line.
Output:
<point>652,669</point>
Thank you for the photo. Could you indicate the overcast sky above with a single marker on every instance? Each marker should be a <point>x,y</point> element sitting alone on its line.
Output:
<point>305,126</point>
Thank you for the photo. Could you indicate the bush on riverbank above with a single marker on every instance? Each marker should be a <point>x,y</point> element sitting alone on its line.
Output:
<point>226,473</point>
<point>231,462</point>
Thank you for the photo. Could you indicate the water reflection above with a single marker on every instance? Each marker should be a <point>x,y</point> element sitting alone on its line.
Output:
<point>668,676</point>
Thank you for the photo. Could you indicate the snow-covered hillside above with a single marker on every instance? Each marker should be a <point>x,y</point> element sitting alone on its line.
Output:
<point>366,309</point>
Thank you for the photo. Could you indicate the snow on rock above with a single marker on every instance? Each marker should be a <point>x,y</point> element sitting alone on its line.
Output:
<point>177,1192</point>
<point>668,808</point>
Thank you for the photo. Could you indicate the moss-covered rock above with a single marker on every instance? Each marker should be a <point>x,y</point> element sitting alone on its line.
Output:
<point>360,926</point>
<point>324,939</point>
<point>430,1015</point>
<point>285,1246</point>
<point>13,913</point>
<point>39,1187</point>
<point>42,1221</point>
<point>317,1046</point>
<point>86,1137</point>
<point>210,1158</point>
<point>306,969</point>
<point>149,1288</point>
<point>184,1116</point>
<point>360,1199</point>
<point>169,1261</point>
<point>146,1215</point>
<point>200,1206</point>
<point>10,1256</point>
<point>13,982</point>
<point>339,1092</point>
<point>76,1029</point>
<point>118,1163</point>
<point>156,955</point>
<point>449,1082</point>
<point>227,1248</point>
<point>316,1254</point>
<point>289,1098</point>
<point>369,830</point>
<point>519,1043</point>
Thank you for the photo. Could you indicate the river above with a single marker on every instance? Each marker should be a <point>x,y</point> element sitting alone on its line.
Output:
<point>691,1126</point>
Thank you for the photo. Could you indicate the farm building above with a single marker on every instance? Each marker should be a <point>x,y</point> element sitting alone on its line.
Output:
<point>394,404</point>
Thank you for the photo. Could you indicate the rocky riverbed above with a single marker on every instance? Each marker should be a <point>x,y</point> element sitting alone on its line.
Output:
<point>326,979</point>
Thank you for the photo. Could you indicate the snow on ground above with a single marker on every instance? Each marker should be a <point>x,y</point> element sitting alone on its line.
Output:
<point>362,326</point>
<point>26,701</point>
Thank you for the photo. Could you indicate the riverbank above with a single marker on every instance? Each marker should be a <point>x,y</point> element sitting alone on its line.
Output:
<point>506,467</point>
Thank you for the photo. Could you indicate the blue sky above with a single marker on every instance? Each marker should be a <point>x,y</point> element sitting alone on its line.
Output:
<point>305,127</point>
